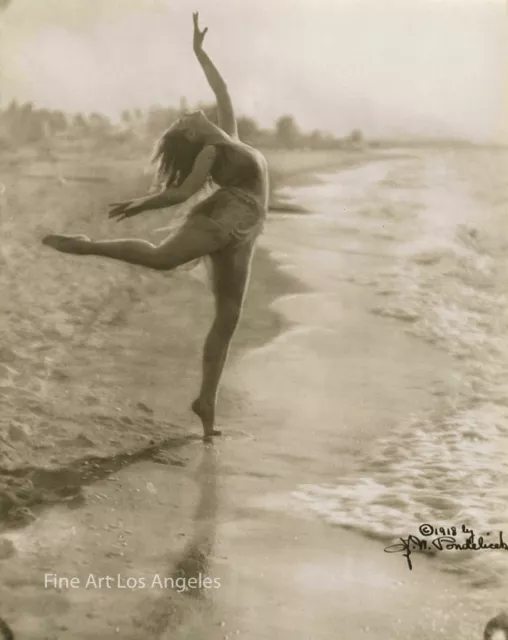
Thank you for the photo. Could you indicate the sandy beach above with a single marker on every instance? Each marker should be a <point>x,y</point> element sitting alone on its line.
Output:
<point>99,375</point>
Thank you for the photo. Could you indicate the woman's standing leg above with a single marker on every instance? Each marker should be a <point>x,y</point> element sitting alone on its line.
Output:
<point>231,271</point>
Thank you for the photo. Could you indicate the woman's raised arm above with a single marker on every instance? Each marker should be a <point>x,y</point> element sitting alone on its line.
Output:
<point>226,114</point>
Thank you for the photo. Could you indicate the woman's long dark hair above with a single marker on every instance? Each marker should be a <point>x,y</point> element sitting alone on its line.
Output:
<point>174,156</point>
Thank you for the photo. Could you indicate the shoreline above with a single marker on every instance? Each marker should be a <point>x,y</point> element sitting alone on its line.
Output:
<point>306,173</point>
<point>448,591</point>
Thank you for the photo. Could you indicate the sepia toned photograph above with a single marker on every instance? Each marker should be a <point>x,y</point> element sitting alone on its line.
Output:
<point>254,320</point>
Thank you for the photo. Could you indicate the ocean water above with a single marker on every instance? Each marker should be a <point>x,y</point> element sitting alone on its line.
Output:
<point>441,220</point>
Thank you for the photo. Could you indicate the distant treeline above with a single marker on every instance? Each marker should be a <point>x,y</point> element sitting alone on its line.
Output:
<point>26,124</point>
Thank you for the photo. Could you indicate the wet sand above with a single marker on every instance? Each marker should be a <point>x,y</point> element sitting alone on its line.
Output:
<point>305,392</point>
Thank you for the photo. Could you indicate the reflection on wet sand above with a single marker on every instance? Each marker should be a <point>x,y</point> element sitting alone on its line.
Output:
<point>174,610</point>
<point>194,562</point>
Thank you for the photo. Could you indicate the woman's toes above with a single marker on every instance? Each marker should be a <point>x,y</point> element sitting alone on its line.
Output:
<point>214,432</point>
<point>50,240</point>
<point>67,244</point>
<point>209,435</point>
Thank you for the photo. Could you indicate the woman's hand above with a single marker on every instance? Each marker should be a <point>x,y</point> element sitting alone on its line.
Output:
<point>122,210</point>
<point>161,200</point>
<point>199,36</point>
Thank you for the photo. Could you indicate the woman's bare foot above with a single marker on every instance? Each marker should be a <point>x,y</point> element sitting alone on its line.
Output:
<point>77,244</point>
<point>207,417</point>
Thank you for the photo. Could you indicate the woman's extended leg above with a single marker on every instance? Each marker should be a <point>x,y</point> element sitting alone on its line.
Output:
<point>193,240</point>
<point>231,270</point>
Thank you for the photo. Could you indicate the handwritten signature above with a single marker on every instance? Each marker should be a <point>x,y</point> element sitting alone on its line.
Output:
<point>435,539</point>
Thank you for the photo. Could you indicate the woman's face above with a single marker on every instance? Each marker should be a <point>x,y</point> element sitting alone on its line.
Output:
<point>191,124</point>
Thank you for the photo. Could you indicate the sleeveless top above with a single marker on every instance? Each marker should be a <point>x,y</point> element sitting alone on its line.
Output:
<point>232,168</point>
<point>237,207</point>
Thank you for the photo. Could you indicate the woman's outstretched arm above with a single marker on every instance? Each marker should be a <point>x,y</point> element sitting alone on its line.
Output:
<point>171,196</point>
<point>226,114</point>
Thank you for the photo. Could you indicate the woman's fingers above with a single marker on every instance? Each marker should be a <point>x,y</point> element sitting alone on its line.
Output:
<point>117,209</point>
<point>119,216</point>
<point>121,210</point>
<point>125,214</point>
<point>119,205</point>
<point>198,32</point>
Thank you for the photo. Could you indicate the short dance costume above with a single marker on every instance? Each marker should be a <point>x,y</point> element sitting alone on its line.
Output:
<point>234,210</point>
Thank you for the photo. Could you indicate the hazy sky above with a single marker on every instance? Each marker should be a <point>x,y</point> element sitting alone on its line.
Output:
<point>419,66</point>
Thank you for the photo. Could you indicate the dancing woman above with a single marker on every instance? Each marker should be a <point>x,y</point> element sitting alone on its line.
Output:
<point>224,226</point>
